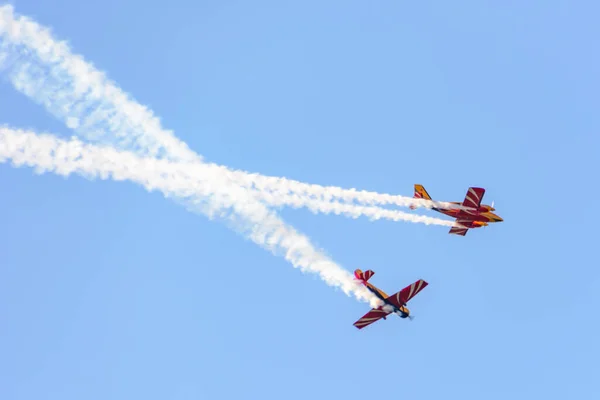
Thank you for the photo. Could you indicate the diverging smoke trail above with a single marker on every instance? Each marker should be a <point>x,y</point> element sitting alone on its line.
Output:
<point>346,209</point>
<point>46,153</point>
<point>77,93</point>
<point>289,187</point>
<point>74,91</point>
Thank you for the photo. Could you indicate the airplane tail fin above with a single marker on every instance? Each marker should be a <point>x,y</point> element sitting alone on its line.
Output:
<point>363,276</point>
<point>420,193</point>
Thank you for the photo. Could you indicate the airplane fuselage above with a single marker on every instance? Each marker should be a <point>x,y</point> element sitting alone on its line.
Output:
<point>480,218</point>
<point>402,312</point>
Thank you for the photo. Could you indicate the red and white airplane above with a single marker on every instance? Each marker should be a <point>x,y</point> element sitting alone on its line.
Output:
<point>395,303</point>
<point>469,214</point>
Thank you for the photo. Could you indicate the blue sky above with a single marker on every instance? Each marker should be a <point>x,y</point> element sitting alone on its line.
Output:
<point>107,291</point>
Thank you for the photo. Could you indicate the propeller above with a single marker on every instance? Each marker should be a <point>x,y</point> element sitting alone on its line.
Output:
<point>492,203</point>
<point>411,317</point>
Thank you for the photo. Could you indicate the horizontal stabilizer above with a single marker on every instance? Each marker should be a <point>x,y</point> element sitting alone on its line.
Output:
<point>458,231</point>
<point>363,276</point>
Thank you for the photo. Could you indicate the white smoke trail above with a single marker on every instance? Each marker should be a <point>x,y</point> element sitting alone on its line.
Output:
<point>285,186</point>
<point>106,106</point>
<point>347,209</point>
<point>74,91</point>
<point>77,93</point>
<point>46,153</point>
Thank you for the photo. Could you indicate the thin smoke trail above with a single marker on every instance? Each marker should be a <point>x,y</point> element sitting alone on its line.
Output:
<point>286,186</point>
<point>47,153</point>
<point>77,93</point>
<point>346,209</point>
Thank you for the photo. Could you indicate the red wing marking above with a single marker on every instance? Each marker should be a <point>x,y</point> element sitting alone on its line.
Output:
<point>374,315</point>
<point>458,231</point>
<point>403,296</point>
<point>473,197</point>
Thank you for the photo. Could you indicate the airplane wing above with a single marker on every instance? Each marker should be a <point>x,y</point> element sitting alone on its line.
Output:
<point>458,231</point>
<point>464,225</point>
<point>461,230</point>
<point>374,315</point>
<point>403,296</point>
<point>473,197</point>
